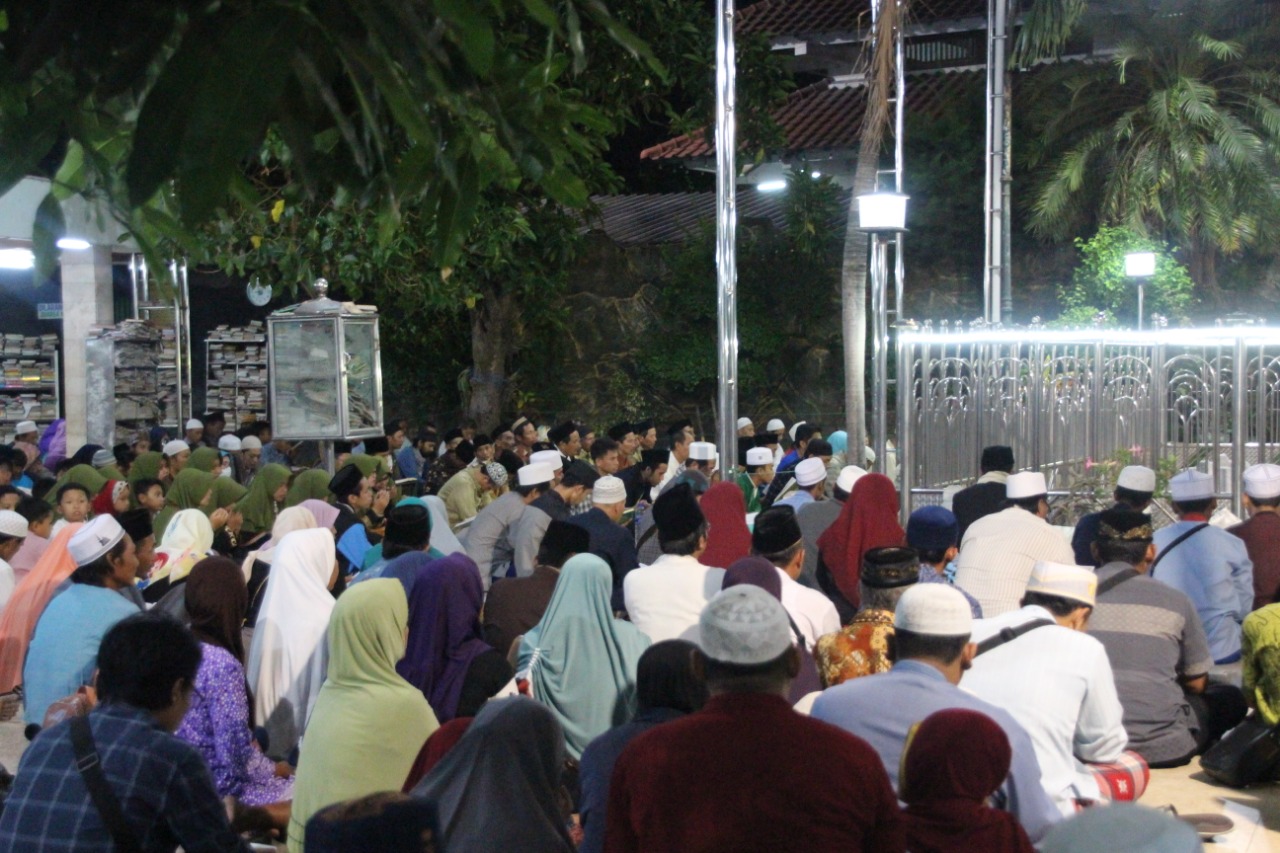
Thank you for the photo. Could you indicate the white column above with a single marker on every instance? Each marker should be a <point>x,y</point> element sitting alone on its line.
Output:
<point>86,302</point>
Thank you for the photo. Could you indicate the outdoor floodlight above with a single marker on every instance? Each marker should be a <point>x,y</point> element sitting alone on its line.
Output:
<point>1140,264</point>
<point>882,212</point>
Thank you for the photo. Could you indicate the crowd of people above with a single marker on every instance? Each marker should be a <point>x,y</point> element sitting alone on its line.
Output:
<point>545,638</point>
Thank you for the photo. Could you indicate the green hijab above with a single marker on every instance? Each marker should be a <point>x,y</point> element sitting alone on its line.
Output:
<point>186,492</point>
<point>312,484</point>
<point>367,464</point>
<point>582,661</point>
<point>146,466</point>
<point>84,475</point>
<point>258,506</point>
<point>203,459</point>
<point>346,756</point>
<point>226,491</point>
<point>111,472</point>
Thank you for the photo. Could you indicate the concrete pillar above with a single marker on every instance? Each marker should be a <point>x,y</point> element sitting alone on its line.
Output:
<point>86,302</point>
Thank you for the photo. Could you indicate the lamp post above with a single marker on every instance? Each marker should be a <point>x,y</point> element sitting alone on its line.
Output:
<point>726,231</point>
<point>882,215</point>
<point>1140,266</point>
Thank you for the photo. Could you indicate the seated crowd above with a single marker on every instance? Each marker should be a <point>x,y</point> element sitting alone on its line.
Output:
<point>544,639</point>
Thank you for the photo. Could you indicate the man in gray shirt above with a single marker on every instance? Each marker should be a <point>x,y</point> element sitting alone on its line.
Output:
<point>488,539</point>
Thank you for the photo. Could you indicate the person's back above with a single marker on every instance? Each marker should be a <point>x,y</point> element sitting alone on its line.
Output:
<point>987,495</point>
<point>487,540</point>
<point>814,519</point>
<point>1261,533</point>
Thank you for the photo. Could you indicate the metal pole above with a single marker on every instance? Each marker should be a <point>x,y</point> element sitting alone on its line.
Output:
<point>906,422</point>
<point>1239,426</point>
<point>1140,288</point>
<point>880,342</point>
<point>899,157</point>
<point>726,229</point>
<point>994,270</point>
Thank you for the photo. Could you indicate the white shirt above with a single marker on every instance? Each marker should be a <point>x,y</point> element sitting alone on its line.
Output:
<point>665,600</point>
<point>998,553</point>
<point>813,612</point>
<point>1057,684</point>
<point>7,583</point>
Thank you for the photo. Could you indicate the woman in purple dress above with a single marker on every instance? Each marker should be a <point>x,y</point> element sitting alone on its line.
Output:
<point>218,723</point>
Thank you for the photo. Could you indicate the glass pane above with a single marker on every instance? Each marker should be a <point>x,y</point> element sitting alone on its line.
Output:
<point>362,389</point>
<point>305,380</point>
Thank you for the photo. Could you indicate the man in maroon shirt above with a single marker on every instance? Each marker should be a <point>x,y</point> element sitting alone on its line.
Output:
<point>747,773</point>
<point>1261,533</point>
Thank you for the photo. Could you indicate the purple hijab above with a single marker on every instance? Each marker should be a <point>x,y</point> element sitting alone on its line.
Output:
<point>53,443</point>
<point>444,630</point>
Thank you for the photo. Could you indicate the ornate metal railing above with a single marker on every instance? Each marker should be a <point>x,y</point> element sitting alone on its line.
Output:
<point>1208,398</point>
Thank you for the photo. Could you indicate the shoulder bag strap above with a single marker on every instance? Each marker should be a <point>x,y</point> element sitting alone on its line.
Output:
<point>1009,634</point>
<point>1115,581</point>
<point>104,799</point>
<point>1174,544</point>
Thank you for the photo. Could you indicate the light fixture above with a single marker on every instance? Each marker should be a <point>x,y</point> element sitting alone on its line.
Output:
<point>815,174</point>
<point>17,259</point>
<point>73,244</point>
<point>771,186</point>
<point>882,212</point>
<point>1140,264</point>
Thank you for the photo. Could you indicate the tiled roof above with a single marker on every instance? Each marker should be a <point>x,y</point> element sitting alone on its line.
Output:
<point>823,117</point>
<point>673,217</point>
<point>807,18</point>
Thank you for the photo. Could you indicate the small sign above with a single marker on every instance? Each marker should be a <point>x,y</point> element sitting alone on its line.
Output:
<point>48,310</point>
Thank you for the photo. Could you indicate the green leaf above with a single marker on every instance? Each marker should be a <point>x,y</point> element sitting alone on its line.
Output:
<point>70,178</point>
<point>456,211</point>
<point>47,229</point>
<point>473,32</point>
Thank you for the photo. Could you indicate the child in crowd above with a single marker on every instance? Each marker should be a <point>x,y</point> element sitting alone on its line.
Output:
<point>39,516</point>
<point>73,505</point>
<point>10,496</point>
<point>115,498</point>
<point>150,495</point>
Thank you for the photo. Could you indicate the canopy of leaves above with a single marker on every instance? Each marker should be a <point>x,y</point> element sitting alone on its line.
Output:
<point>1100,284</point>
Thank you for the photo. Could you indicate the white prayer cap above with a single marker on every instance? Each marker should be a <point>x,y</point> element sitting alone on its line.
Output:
<point>1025,484</point>
<point>229,443</point>
<point>795,426</point>
<point>936,609</point>
<point>550,458</point>
<point>25,427</point>
<point>1122,826</point>
<point>744,625</point>
<point>1262,481</point>
<point>12,524</point>
<point>1137,478</point>
<point>608,490</point>
<point>759,456</point>
<point>195,423</point>
<point>1191,485</point>
<point>173,448</point>
<point>774,425</point>
<point>744,422</point>
<point>535,474</point>
<point>703,451</point>
<point>93,540</point>
<point>250,442</point>
<point>849,475</point>
<point>810,471</point>
<point>1075,583</point>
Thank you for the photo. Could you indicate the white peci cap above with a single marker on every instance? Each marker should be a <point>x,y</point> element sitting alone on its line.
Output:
<point>744,422</point>
<point>608,490</point>
<point>195,423</point>
<point>1262,482</point>
<point>173,448</point>
<point>703,451</point>
<point>550,458</point>
<point>1137,478</point>
<point>744,625</point>
<point>1191,485</point>
<point>25,427</point>
<point>795,426</point>
<point>1025,484</point>
<point>1064,580</point>
<point>936,609</point>
<point>93,540</point>
<point>774,425</point>
<point>759,456</point>
<point>229,443</point>
<point>535,474</point>
<point>849,475</point>
<point>810,472</point>
<point>12,524</point>
<point>250,442</point>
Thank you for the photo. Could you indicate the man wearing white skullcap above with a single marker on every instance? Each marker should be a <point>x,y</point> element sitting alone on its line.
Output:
<point>811,482</point>
<point>1039,665</point>
<point>931,646</point>
<point>176,453</point>
<point>194,432</point>
<point>488,539</point>
<point>26,431</point>
<point>13,532</point>
<point>756,477</point>
<point>998,550</point>
<point>746,428</point>
<point>1261,533</point>
<point>1207,563</point>
<point>1134,488</point>
<point>767,775</point>
<point>610,541</point>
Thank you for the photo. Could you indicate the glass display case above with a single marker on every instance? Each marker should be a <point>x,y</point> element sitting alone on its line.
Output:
<point>325,370</point>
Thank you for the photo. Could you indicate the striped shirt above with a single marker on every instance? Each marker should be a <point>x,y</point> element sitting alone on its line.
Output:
<point>998,553</point>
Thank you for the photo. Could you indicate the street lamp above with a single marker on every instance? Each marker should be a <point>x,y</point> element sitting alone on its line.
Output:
<point>881,215</point>
<point>1140,266</point>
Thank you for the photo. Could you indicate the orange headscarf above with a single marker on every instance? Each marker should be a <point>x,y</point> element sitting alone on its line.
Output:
<point>869,520</point>
<point>18,622</point>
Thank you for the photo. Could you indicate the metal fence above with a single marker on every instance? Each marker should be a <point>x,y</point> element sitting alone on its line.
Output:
<point>1171,398</point>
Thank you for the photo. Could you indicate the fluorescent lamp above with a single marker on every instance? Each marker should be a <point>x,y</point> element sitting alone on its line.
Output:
<point>815,174</point>
<point>1140,264</point>
<point>73,244</point>
<point>882,212</point>
<point>771,186</point>
<point>17,259</point>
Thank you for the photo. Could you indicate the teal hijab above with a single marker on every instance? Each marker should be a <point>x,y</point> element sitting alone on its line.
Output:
<point>581,662</point>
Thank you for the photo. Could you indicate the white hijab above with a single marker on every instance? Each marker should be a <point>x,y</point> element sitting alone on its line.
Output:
<point>288,656</point>
<point>185,542</point>
<point>290,519</point>
<point>443,539</point>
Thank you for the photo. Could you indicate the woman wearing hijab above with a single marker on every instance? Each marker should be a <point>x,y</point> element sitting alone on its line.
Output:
<point>499,788</point>
<point>206,459</point>
<point>113,499</point>
<point>839,441</point>
<point>84,456</point>
<point>312,484</point>
<point>288,655</point>
<point>53,444</point>
<point>443,539</point>
<point>186,541</point>
<point>728,538</point>
<point>256,567</point>
<point>757,571</point>
<point>218,721</point>
<point>579,660</point>
<point>369,723</point>
<point>326,514</point>
<point>446,659</point>
<point>954,761</point>
<point>191,489</point>
<point>868,520</point>
<point>149,466</point>
<point>266,495</point>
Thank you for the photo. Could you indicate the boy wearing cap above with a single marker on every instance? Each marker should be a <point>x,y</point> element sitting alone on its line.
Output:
<point>931,651</point>
<point>1207,563</point>
<point>758,474</point>
<point>1057,682</point>
<point>487,540</point>
<point>13,532</point>
<point>609,540</point>
<point>998,550</point>
<point>1134,488</point>
<point>747,772</point>
<point>1261,533</point>
<point>987,495</point>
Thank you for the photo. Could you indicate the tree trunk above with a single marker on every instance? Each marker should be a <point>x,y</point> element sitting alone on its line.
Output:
<point>494,333</point>
<point>1202,265</point>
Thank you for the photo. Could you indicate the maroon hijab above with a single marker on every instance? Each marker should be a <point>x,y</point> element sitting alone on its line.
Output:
<point>953,762</point>
<point>727,536</point>
<point>868,520</point>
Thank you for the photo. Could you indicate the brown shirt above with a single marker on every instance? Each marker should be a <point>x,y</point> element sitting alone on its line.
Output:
<point>859,648</point>
<point>515,605</point>
<point>1261,535</point>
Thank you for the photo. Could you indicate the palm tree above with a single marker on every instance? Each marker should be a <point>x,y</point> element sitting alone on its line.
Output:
<point>1178,136</point>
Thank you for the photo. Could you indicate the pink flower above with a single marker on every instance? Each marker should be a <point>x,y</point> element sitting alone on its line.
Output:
<point>1088,463</point>
<point>1136,450</point>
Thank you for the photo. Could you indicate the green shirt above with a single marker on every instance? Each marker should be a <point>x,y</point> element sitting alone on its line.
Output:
<point>1260,646</point>
<point>750,493</point>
